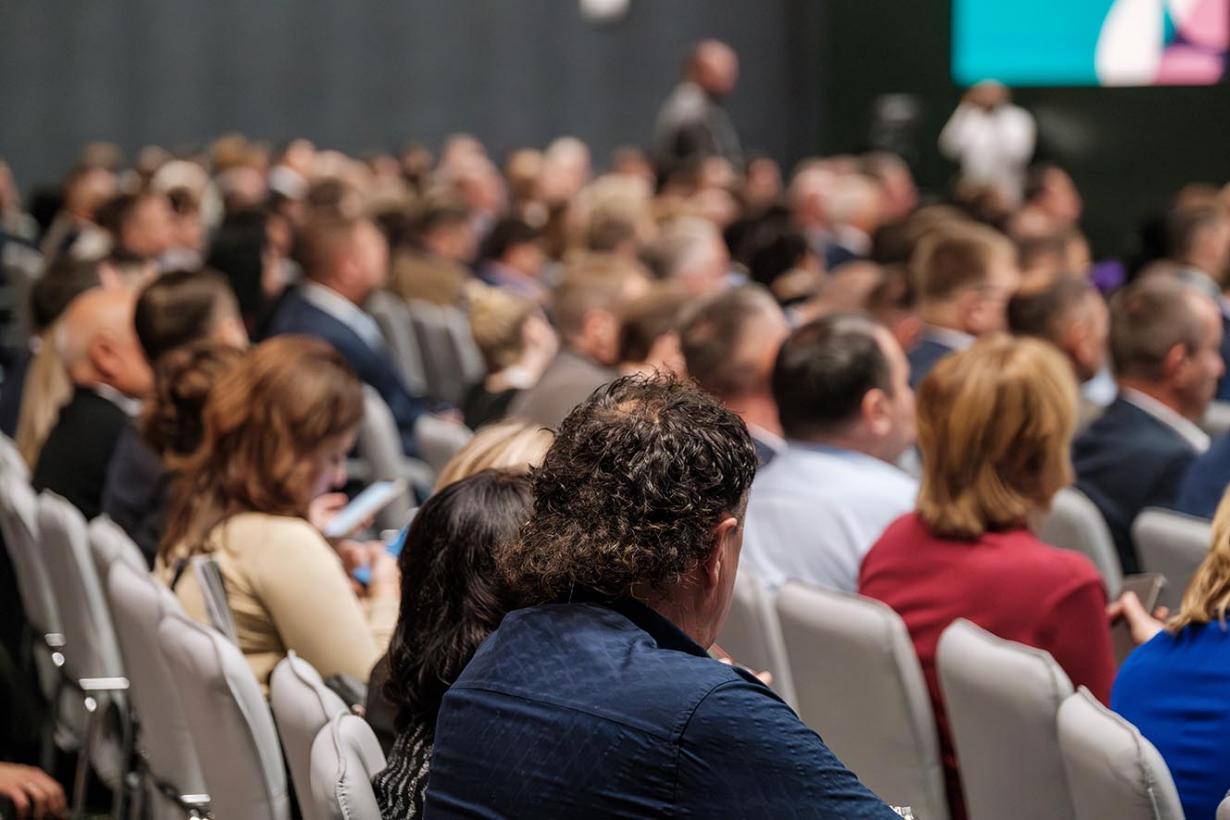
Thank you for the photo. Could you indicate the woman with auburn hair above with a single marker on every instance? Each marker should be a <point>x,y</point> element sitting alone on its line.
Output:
<point>994,426</point>
<point>275,433</point>
<point>1176,687</point>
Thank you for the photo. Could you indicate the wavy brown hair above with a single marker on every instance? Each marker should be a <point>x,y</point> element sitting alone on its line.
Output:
<point>263,426</point>
<point>171,422</point>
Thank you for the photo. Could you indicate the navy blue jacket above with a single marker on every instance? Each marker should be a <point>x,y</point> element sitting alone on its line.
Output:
<point>1126,461</point>
<point>590,710</point>
<point>297,315</point>
<point>923,356</point>
<point>1206,480</point>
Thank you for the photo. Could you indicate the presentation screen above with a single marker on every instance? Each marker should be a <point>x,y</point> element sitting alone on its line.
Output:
<point>1090,42</point>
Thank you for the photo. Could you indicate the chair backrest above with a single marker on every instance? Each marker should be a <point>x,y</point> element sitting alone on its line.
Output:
<point>302,706</point>
<point>1223,809</point>
<point>109,544</point>
<point>752,635</point>
<point>1112,770</point>
<point>1173,544</point>
<point>391,314</point>
<point>450,357</point>
<point>138,604</point>
<point>231,726</point>
<point>1216,419</point>
<point>1074,523</point>
<point>859,685</point>
<point>345,757</point>
<point>19,525</point>
<point>1002,700</point>
<point>440,440</point>
<point>379,444</point>
<point>10,458</point>
<point>90,649</point>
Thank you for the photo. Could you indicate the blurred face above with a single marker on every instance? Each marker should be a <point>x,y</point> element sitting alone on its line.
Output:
<point>329,464</point>
<point>188,231</point>
<point>150,230</point>
<point>1086,342</point>
<point>1195,379</point>
<point>986,304</point>
<point>371,257</point>
<point>1062,199</point>
<point>119,360</point>
<point>898,429</point>
<point>707,270</point>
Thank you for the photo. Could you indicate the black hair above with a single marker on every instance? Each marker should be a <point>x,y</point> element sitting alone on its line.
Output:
<point>823,371</point>
<point>178,308</point>
<point>452,593</point>
<point>65,279</point>
<point>507,234</point>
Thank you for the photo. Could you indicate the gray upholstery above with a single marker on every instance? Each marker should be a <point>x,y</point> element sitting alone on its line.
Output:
<point>1002,700</point>
<point>1074,523</point>
<point>345,758</point>
<point>379,444</point>
<point>1223,809</point>
<point>859,685</point>
<point>1216,419</point>
<point>302,706</point>
<point>109,543</point>
<point>90,646</point>
<point>231,726</point>
<point>391,314</point>
<point>439,440</point>
<point>1112,770</point>
<point>138,604</point>
<point>450,358</point>
<point>1173,544</point>
<point>11,460</point>
<point>753,636</point>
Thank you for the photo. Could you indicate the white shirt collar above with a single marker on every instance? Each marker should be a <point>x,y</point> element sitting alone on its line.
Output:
<point>1197,438</point>
<point>948,337</point>
<point>345,311</point>
<point>767,437</point>
<point>130,406</point>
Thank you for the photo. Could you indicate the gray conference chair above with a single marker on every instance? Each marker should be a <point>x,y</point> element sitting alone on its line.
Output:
<point>1216,419</point>
<point>230,722</point>
<point>1173,544</point>
<point>1002,700</point>
<point>389,311</point>
<point>1112,770</point>
<point>1223,809</point>
<point>302,706</point>
<point>109,543</point>
<point>1074,523</point>
<point>11,460</point>
<point>345,758</point>
<point>440,440</point>
<point>450,357</point>
<point>859,685</point>
<point>175,783</point>
<point>379,444</point>
<point>91,652</point>
<point>753,636</point>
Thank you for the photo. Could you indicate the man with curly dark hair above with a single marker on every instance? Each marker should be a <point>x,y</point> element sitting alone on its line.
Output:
<point>600,700</point>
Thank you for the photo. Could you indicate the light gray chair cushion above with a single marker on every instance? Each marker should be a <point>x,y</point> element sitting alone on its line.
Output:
<point>859,685</point>
<point>109,543</point>
<point>439,440</point>
<point>1074,523</point>
<point>231,726</point>
<point>91,649</point>
<point>1112,770</point>
<point>11,460</point>
<point>19,525</point>
<point>450,357</point>
<point>138,604</point>
<point>390,312</point>
<point>1216,419</point>
<point>752,635</point>
<point>379,444</point>
<point>302,706</point>
<point>1173,544</point>
<point>1223,809</point>
<point>1002,700</point>
<point>345,758</point>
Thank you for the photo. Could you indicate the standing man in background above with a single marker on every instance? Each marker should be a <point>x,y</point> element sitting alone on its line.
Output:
<point>992,139</point>
<point>693,124</point>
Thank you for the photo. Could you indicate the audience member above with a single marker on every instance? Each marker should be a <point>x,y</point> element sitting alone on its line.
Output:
<point>74,230</point>
<point>691,253</point>
<point>586,309</point>
<point>249,251</point>
<point>994,426</point>
<point>692,123</point>
<point>1164,343</point>
<point>1198,241</point>
<point>893,303</point>
<point>509,445</point>
<point>965,274</point>
<point>1173,688</point>
<point>434,270</point>
<point>1069,313</point>
<point>729,346</point>
<point>649,333</point>
<point>346,261</point>
<point>276,431</point>
<point>140,224</point>
<point>30,792</point>
<point>517,344</point>
<point>453,597</point>
<point>852,203</point>
<point>842,390</point>
<point>1052,204</point>
<point>512,258</point>
<point>628,559</point>
<point>96,342</point>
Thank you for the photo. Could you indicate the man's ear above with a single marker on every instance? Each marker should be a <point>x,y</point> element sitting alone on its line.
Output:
<point>874,409</point>
<point>1172,362</point>
<point>715,562</point>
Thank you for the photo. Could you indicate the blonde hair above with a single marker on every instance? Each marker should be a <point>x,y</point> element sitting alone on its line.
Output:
<point>1208,594</point>
<point>508,445</point>
<point>994,425</point>
<point>46,390</point>
<point>497,319</point>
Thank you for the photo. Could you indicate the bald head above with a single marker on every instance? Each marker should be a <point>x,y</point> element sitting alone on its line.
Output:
<point>98,344</point>
<point>714,67</point>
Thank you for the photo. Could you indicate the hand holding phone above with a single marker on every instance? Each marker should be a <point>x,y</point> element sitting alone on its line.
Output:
<point>362,507</point>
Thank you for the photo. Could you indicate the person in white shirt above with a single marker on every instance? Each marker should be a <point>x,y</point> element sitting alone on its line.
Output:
<point>992,139</point>
<point>842,389</point>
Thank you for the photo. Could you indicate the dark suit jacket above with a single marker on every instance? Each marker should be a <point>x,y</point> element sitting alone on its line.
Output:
<point>1126,461</point>
<point>924,356</point>
<point>375,367</point>
<point>566,382</point>
<point>137,492</point>
<point>73,461</point>
<point>1206,480</point>
<point>1223,386</point>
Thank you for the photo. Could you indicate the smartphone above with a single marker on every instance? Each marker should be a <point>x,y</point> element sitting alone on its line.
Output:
<point>1148,587</point>
<point>363,506</point>
<point>394,540</point>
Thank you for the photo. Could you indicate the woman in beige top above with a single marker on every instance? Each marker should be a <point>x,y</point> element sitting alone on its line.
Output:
<point>277,428</point>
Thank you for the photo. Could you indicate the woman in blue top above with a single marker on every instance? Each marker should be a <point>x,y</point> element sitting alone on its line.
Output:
<point>1176,687</point>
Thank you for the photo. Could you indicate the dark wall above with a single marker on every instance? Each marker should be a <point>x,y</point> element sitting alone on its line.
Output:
<point>1128,149</point>
<point>361,74</point>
